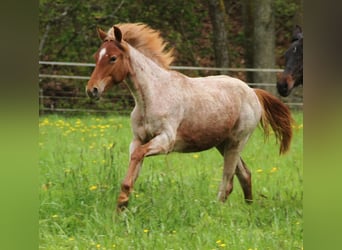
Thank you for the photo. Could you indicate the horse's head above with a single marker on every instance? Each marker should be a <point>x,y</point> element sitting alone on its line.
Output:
<point>292,75</point>
<point>112,65</point>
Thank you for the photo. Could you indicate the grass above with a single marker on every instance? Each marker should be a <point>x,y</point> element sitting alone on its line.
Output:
<point>84,159</point>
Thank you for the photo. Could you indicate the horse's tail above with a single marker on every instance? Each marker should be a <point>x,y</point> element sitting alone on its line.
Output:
<point>278,115</point>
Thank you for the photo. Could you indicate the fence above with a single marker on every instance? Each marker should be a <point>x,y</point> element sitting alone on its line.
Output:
<point>119,100</point>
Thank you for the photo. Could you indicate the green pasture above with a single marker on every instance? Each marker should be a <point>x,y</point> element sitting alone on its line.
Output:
<point>83,159</point>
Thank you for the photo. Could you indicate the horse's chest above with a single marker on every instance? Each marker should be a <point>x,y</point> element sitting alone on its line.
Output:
<point>146,130</point>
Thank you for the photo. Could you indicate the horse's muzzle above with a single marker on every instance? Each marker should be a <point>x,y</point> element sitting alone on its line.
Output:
<point>93,93</point>
<point>283,89</point>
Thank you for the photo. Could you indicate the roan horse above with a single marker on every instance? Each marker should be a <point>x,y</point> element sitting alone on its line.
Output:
<point>293,72</point>
<point>176,113</point>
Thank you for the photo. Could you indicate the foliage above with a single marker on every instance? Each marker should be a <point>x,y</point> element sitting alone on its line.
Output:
<point>71,25</point>
<point>84,159</point>
<point>67,32</point>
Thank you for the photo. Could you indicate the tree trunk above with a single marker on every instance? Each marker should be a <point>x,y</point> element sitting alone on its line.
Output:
<point>264,43</point>
<point>248,24</point>
<point>298,18</point>
<point>220,40</point>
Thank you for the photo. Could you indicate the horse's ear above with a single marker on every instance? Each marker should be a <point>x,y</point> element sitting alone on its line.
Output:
<point>117,34</point>
<point>297,33</point>
<point>102,35</point>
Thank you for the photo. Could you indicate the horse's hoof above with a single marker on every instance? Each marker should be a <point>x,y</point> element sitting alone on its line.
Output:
<point>249,201</point>
<point>122,206</point>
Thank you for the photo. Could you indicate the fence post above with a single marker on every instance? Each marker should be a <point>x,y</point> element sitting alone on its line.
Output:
<point>41,103</point>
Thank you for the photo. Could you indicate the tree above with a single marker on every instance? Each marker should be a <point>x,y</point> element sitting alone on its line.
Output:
<point>248,24</point>
<point>264,42</point>
<point>218,18</point>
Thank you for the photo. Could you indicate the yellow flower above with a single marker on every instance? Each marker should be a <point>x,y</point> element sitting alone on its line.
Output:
<point>223,245</point>
<point>218,241</point>
<point>93,187</point>
<point>98,245</point>
<point>274,169</point>
<point>259,170</point>
<point>146,230</point>
<point>195,156</point>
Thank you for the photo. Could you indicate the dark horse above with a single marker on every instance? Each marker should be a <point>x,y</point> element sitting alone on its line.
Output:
<point>292,75</point>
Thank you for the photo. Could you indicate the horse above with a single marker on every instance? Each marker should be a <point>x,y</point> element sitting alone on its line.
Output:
<point>177,113</point>
<point>292,75</point>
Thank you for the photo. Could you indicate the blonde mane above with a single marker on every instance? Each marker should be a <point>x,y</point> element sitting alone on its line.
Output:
<point>147,40</point>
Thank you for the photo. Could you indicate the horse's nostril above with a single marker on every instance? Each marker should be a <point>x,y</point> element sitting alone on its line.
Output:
<point>93,93</point>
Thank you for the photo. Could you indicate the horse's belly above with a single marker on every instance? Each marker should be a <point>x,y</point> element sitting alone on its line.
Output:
<point>195,142</point>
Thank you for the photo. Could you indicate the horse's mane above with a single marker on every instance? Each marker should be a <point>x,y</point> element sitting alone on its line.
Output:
<point>147,40</point>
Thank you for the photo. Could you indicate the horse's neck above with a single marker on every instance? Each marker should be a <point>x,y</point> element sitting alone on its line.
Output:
<point>146,77</point>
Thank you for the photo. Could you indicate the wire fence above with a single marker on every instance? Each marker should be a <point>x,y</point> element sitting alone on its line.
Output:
<point>53,97</point>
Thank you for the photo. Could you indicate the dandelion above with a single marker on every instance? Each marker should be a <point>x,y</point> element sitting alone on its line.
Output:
<point>274,169</point>
<point>259,170</point>
<point>93,188</point>
<point>146,231</point>
<point>71,238</point>
<point>220,243</point>
<point>195,156</point>
<point>98,246</point>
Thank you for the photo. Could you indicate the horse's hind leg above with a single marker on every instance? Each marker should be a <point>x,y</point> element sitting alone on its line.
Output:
<point>231,158</point>
<point>240,170</point>
<point>245,179</point>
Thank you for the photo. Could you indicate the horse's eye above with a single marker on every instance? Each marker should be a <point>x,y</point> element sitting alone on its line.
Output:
<point>112,59</point>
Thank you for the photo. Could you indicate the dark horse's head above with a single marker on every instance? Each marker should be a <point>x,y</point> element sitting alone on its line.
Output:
<point>292,75</point>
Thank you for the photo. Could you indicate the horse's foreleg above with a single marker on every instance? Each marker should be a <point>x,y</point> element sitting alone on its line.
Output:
<point>135,162</point>
<point>245,179</point>
<point>158,145</point>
